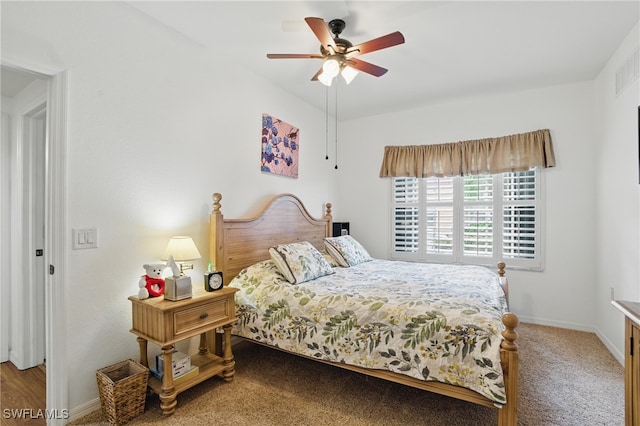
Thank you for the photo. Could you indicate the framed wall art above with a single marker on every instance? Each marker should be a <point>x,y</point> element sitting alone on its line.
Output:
<point>280,147</point>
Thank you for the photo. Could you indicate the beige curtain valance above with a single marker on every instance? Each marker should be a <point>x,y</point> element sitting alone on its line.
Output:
<point>493,155</point>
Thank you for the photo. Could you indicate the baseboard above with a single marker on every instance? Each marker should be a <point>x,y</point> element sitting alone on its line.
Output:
<point>559,324</point>
<point>612,348</point>
<point>84,409</point>
<point>16,360</point>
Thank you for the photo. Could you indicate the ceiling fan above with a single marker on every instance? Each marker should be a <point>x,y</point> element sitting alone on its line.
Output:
<point>339,55</point>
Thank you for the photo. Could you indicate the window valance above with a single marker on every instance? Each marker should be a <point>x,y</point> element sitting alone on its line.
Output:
<point>492,155</point>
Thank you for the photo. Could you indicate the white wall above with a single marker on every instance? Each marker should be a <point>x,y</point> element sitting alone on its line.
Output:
<point>617,194</point>
<point>561,295</point>
<point>156,125</point>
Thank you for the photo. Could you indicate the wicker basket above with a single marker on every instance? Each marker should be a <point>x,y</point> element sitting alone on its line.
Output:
<point>123,388</point>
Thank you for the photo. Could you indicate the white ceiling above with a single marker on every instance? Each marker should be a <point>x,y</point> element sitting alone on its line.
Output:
<point>453,49</point>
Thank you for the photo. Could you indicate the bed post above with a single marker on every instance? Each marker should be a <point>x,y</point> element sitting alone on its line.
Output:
<point>215,226</point>
<point>327,215</point>
<point>503,280</point>
<point>216,259</point>
<point>508,414</point>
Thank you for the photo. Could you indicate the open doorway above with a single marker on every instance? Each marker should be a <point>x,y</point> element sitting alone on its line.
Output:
<point>32,213</point>
<point>24,118</point>
<point>24,101</point>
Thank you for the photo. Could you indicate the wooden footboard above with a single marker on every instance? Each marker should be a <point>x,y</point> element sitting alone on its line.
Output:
<point>237,243</point>
<point>507,414</point>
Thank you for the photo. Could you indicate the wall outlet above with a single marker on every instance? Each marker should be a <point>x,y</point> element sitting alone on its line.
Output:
<point>613,295</point>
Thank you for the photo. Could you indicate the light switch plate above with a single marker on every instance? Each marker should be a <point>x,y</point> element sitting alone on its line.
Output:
<point>84,238</point>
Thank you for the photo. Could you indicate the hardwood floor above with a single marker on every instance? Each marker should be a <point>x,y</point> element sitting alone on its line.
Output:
<point>23,395</point>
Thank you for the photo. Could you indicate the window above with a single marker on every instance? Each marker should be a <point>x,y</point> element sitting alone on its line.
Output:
<point>481,219</point>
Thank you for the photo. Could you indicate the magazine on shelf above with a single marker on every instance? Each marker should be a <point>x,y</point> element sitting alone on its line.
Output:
<point>181,363</point>
<point>187,374</point>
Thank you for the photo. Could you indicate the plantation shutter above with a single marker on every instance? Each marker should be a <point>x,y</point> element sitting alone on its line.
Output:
<point>406,215</point>
<point>478,216</point>
<point>439,215</point>
<point>519,215</point>
<point>479,219</point>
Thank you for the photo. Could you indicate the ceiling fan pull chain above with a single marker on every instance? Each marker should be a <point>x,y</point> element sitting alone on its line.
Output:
<point>336,110</point>
<point>326,130</point>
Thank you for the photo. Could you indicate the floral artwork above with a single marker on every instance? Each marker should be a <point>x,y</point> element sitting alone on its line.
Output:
<point>280,147</point>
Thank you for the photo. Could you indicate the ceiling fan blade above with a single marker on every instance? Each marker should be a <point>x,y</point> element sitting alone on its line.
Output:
<point>383,42</point>
<point>293,56</point>
<point>315,77</point>
<point>366,67</point>
<point>321,30</point>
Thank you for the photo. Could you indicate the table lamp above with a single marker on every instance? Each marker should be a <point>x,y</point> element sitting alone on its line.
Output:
<point>182,249</point>
<point>179,250</point>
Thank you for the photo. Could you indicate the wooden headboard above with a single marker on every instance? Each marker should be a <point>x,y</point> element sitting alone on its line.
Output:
<point>235,244</point>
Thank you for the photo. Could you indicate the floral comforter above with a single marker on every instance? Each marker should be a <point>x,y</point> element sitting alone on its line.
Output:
<point>427,321</point>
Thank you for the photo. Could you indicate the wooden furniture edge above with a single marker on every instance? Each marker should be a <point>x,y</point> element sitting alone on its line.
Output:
<point>509,358</point>
<point>629,309</point>
<point>504,282</point>
<point>631,312</point>
<point>507,414</point>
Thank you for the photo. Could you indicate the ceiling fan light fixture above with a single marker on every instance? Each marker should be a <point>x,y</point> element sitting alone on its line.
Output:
<point>331,67</point>
<point>325,79</point>
<point>348,74</point>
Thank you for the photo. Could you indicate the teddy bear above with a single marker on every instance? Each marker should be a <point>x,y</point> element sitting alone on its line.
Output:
<point>151,284</point>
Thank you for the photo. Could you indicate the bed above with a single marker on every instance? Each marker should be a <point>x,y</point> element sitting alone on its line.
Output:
<point>358,316</point>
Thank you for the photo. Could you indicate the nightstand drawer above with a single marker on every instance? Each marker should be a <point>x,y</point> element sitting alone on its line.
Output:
<point>191,319</point>
<point>166,322</point>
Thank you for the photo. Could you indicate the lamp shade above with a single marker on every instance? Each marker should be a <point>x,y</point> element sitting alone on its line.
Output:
<point>325,79</point>
<point>349,74</point>
<point>181,248</point>
<point>331,67</point>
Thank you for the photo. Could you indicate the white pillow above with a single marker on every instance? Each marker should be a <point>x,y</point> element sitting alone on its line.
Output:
<point>346,250</point>
<point>300,262</point>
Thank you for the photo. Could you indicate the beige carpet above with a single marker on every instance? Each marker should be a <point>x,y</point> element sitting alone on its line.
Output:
<point>566,378</point>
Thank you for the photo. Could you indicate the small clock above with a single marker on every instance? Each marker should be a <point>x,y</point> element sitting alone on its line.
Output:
<point>213,281</point>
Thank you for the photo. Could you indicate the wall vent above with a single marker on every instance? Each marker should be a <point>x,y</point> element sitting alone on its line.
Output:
<point>628,72</point>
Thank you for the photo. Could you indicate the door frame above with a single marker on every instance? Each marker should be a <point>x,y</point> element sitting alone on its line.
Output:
<point>55,250</point>
<point>5,244</point>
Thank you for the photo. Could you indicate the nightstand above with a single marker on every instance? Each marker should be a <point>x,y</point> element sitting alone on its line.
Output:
<point>165,322</point>
<point>631,311</point>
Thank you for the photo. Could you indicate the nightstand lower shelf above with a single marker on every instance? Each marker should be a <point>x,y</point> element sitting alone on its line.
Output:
<point>209,364</point>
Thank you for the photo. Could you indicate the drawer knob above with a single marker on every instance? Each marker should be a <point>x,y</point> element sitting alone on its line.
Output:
<point>204,315</point>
